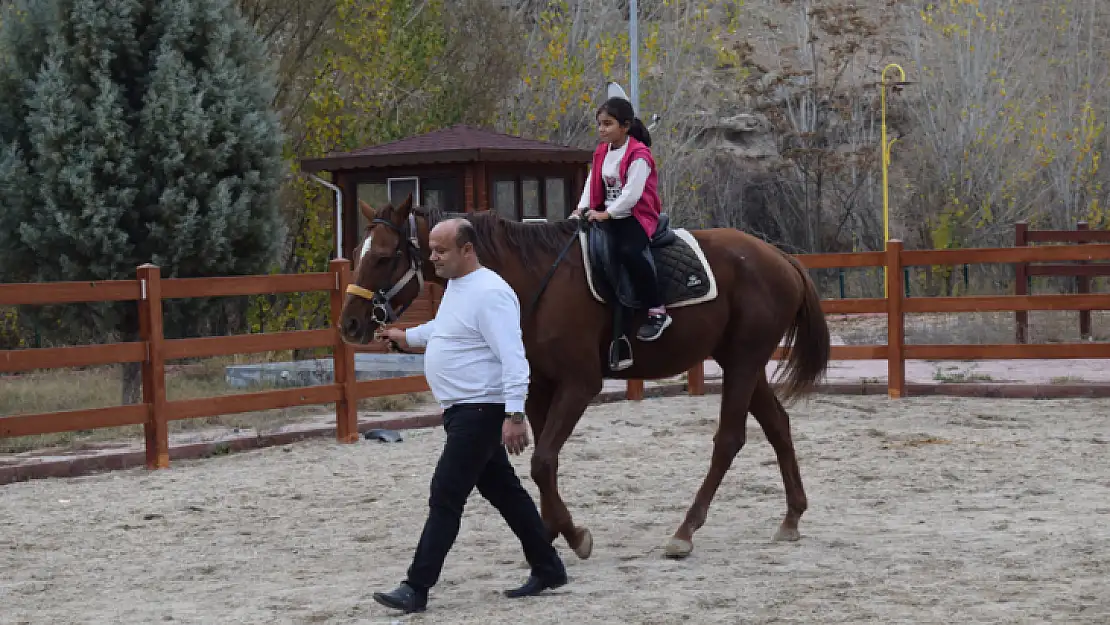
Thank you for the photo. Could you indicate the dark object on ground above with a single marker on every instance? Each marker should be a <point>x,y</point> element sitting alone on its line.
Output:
<point>385,436</point>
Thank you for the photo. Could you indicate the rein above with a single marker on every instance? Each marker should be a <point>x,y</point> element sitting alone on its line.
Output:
<point>551,271</point>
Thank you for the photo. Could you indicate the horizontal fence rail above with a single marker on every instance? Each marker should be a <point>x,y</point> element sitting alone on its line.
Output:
<point>155,412</point>
<point>149,290</point>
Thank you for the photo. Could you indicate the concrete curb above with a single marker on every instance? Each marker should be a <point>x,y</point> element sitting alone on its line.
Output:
<point>79,466</point>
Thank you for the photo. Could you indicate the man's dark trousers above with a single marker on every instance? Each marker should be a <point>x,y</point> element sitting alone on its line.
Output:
<point>474,457</point>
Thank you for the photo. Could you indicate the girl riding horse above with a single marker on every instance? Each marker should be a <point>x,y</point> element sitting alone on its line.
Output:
<point>622,189</point>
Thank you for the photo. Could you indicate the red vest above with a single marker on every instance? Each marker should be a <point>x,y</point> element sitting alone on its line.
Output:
<point>647,208</point>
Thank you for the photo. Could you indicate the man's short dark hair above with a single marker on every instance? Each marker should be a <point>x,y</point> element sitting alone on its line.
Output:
<point>465,234</point>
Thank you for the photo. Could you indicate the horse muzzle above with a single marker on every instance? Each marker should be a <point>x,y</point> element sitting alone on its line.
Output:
<point>381,312</point>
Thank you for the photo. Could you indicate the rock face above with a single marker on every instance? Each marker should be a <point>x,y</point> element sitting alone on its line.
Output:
<point>743,136</point>
<point>798,164</point>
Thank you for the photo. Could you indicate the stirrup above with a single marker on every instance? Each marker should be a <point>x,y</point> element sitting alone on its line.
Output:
<point>616,363</point>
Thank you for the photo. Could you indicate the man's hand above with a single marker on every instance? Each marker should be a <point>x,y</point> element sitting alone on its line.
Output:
<point>599,215</point>
<point>577,213</point>
<point>515,436</point>
<point>397,335</point>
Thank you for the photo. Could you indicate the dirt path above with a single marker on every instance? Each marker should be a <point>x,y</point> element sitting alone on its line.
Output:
<point>922,510</point>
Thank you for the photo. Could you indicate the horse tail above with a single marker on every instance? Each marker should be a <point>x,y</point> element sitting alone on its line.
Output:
<point>807,340</point>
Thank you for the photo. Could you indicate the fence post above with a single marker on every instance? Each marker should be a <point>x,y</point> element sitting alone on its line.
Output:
<point>1083,285</point>
<point>156,428</point>
<point>635,390</point>
<point>895,323</point>
<point>343,355</point>
<point>695,379</point>
<point>1021,282</point>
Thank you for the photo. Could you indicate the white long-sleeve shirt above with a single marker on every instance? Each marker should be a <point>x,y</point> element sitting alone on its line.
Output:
<point>618,200</point>
<point>474,350</point>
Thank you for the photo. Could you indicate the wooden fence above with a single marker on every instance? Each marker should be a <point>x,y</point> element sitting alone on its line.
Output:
<point>1024,272</point>
<point>897,305</point>
<point>152,350</point>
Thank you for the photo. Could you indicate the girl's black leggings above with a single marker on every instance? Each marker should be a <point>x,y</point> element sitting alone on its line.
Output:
<point>631,241</point>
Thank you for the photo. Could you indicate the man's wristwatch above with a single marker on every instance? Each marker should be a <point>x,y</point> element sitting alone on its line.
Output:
<point>515,417</point>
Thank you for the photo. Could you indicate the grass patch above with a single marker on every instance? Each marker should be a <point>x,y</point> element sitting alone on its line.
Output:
<point>1068,379</point>
<point>1045,326</point>
<point>100,387</point>
<point>954,374</point>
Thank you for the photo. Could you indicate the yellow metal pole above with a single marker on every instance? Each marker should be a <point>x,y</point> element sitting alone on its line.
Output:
<point>886,163</point>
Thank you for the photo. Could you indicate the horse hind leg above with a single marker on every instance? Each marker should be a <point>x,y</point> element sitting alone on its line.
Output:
<point>738,384</point>
<point>775,421</point>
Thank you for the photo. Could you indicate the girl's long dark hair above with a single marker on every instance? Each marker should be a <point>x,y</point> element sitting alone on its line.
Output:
<point>621,110</point>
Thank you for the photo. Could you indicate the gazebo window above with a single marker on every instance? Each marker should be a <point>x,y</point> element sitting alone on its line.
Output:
<point>401,188</point>
<point>504,198</point>
<point>530,193</point>
<point>442,192</point>
<point>555,193</point>
<point>530,197</point>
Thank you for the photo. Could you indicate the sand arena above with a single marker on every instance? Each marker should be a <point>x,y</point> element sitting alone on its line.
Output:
<point>921,510</point>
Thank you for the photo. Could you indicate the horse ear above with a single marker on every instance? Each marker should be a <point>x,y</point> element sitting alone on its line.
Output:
<point>402,212</point>
<point>367,211</point>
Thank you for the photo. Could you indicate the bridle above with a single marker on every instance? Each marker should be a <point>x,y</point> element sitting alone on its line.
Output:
<point>383,311</point>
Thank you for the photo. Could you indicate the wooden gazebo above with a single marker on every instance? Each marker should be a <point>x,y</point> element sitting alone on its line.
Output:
<point>457,169</point>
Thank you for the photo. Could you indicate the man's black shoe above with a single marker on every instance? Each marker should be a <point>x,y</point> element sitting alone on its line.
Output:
<point>404,598</point>
<point>534,586</point>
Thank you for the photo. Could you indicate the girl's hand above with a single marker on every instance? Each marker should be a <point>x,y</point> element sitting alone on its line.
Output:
<point>599,215</point>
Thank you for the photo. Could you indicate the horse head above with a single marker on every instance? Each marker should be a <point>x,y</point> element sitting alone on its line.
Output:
<point>389,271</point>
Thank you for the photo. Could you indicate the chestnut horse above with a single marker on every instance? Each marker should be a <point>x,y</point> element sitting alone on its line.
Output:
<point>763,295</point>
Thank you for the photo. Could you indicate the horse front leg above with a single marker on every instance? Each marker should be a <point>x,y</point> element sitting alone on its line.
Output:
<point>568,402</point>
<point>536,406</point>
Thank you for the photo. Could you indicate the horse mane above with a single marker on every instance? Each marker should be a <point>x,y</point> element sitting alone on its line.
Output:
<point>501,241</point>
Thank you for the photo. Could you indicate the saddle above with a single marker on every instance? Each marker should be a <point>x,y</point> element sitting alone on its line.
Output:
<point>604,260</point>
<point>683,274</point>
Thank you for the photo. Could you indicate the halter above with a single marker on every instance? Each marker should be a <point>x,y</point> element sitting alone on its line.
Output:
<point>383,312</point>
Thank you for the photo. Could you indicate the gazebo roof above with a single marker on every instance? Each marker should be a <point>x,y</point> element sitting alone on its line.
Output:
<point>457,144</point>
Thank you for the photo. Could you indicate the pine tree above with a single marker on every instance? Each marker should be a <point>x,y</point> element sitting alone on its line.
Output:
<point>134,131</point>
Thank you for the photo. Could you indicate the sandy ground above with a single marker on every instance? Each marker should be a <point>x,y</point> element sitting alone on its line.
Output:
<point>922,510</point>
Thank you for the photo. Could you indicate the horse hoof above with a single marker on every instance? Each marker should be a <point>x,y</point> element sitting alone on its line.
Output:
<point>787,534</point>
<point>678,548</point>
<point>585,542</point>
